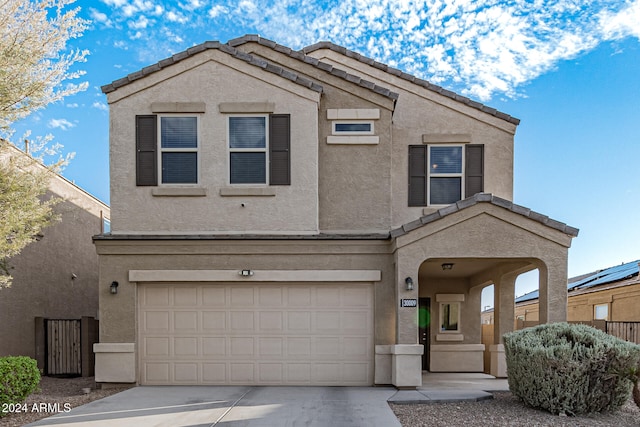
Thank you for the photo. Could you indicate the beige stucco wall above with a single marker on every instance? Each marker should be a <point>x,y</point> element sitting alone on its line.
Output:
<point>420,111</point>
<point>213,77</point>
<point>623,305</point>
<point>354,179</point>
<point>42,274</point>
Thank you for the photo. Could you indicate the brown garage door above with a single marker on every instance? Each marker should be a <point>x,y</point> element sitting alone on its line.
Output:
<point>253,334</point>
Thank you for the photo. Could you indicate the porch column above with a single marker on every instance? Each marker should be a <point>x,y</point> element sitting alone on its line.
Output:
<point>406,354</point>
<point>553,290</point>
<point>504,308</point>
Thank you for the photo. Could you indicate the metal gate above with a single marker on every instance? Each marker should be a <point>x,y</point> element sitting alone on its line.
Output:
<point>63,350</point>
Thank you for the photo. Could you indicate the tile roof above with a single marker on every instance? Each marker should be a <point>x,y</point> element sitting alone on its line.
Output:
<point>485,198</point>
<point>299,55</point>
<point>618,273</point>
<point>250,59</point>
<point>413,79</point>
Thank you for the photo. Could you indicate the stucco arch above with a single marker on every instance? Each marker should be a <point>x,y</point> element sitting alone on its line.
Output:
<point>486,243</point>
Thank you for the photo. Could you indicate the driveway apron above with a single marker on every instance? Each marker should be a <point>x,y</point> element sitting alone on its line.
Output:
<point>235,407</point>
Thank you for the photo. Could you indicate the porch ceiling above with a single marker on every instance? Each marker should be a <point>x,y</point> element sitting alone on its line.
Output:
<point>471,267</point>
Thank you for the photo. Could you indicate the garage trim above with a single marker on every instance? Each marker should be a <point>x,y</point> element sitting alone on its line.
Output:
<point>257,276</point>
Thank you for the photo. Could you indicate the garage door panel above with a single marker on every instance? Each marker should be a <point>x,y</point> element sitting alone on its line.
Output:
<point>214,296</point>
<point>256,334</point>
<point>185,296</point>
<point>185,321</point>
<point>214,346</point>
<point>242,321</point>
<point>214,320</point>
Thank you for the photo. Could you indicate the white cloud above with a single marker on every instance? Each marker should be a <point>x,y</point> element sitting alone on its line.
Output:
<point>73,105</point>
<point>217,10</point>
<point>63,124</point>
<point>100,106</point>
<point>141,23</point>
<point>476,47</point>
<point>98,16</point>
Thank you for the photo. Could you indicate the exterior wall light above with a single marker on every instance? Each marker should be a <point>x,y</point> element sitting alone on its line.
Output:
<point>114,287</point>
<point>408,283</point>
<point>447,266</point>
<point>245,273</point>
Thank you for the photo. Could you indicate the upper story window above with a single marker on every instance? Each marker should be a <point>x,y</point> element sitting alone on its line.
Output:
<point>259,149</point>
<point>179,149</point>
<point>441,174</point>
<point>171,141</point>
<point>248,145</point>
<point>445,174</point>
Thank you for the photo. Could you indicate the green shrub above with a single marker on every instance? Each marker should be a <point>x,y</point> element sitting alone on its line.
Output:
<point>570,369</point>
<point>19,377</point>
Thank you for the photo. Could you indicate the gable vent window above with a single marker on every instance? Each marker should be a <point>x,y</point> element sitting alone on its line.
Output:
<point>259,149</point>
<point>442,174</point>
<point>352,128</point>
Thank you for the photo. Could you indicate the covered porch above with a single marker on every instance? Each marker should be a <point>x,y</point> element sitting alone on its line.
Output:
<point>445,259</point>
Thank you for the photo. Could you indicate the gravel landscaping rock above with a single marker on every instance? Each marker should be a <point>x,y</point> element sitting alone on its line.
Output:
<point>505,410</point>
<point>56,394</point>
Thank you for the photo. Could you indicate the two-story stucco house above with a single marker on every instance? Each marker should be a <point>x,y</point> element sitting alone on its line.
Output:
<point>282,217</point>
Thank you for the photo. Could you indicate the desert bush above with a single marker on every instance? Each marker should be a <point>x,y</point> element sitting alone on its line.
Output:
<point>570,369</point>
<point>19,377</point>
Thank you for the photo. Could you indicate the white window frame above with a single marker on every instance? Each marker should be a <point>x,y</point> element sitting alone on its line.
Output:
<point>371,131</point>
<point>178,150</point>
<point>249,150</point>
<point>445,175</point>
<point>595,311</point>
<point>441,318</point>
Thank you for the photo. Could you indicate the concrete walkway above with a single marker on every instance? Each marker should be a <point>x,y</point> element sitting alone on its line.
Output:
<point>451,387</point>
<point>176,406</point>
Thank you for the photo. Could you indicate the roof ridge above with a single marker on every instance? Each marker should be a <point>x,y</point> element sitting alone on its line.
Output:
<point>411,78</point>
<point>301,56</point>
<point>484,198</point>
<point>243,56</point>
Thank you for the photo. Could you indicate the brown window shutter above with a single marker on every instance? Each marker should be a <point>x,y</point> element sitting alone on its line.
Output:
<point>279,149</point>
<point>146,146</point>
<point>474,169</point>
<point>417,175</point>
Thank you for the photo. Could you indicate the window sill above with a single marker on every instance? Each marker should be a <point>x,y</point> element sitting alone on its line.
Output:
<point>247,191</point>
<point>450,337</point>
<point>179,192</point>
<point>353,140</point>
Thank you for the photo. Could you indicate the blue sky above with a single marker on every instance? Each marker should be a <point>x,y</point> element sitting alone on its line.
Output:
<point>568,69</point>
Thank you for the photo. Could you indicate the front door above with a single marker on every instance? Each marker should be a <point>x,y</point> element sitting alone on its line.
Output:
<point>424,324</point>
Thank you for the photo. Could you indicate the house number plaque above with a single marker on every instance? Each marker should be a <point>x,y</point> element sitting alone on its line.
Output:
<point>410,302</point>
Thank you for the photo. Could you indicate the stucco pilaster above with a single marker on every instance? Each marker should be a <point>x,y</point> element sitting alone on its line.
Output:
<point>553,289</point>
<point>504,303</point>
<point>407,317</point>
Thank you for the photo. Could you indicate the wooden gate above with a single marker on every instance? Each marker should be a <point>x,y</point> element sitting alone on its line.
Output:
<point>629,331</point>
<point>63,350</point>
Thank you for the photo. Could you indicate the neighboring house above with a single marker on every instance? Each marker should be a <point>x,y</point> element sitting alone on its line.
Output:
<point>611,294</point>
<point>55,277</point>
<point>282,217</point>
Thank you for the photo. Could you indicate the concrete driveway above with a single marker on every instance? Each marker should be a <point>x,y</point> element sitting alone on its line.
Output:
<point>234,407</point>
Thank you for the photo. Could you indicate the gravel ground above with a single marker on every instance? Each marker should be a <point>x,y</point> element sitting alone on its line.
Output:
<point>65,392</point>
<point>502,410</point>
<point>505,410</point>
